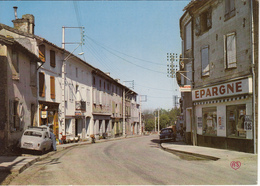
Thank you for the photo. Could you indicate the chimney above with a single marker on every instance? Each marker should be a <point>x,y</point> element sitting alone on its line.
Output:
<point>26,24</point>
<point>15,11</point>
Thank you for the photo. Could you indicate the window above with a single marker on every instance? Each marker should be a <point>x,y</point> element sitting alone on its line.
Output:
<point>94,81</point>
<point>33,74</point>
<point>52,82</point>
<point>77,72</point>
<point>209,121</point>
<point>203,22</point>
<point>235,121</point>
<point>230,10</point>
<point>52,58</point>
<point>205,61</point>
<point>32,113</point>
<point>14,117</point>
<point>230,50</point>
<point>100,83</point>
<point>41,84</point>
<point>15,63</point>
<point>42,52</point>
<point>188,36</point>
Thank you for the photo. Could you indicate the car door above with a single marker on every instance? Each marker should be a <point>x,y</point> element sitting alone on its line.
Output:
<point>48,141</point>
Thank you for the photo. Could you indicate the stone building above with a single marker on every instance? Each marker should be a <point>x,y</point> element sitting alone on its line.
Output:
<point>224,57</point>
<point>18,91</point>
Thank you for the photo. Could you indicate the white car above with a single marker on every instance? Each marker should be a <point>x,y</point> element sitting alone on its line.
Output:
<point>36,138</point>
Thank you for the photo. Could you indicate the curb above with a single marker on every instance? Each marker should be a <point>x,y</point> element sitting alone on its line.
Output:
<point>206,157</point>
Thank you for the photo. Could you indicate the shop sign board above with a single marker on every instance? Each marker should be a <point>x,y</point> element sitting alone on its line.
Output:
<point>248,123</point>
<point>221,123</point>
<point>78,113</point>
<point>243,86</point>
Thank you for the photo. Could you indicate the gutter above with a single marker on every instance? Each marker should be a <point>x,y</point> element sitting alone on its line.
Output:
<point>253,72</point>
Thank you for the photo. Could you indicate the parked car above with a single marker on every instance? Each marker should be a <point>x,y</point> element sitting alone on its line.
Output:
<point>167,134</point>
<point>36,138</point>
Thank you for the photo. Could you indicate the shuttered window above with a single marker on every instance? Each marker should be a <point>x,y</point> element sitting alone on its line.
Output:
<point>205,61</point>
<point>41,84</point>
<point>52,58</point>
<point>52,82</point>
<point>33,74</point>
<point>230,10</point>
<point>188,36</point>
<point>42,52</point>
<point>230,50</point>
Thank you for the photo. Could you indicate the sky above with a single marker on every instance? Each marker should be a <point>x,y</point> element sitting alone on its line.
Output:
<point>128,39</point>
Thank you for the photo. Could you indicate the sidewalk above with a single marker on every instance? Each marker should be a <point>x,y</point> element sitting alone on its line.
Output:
<point>17,164</point>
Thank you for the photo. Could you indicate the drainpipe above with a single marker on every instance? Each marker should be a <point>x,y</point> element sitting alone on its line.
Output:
<point>253,71</point>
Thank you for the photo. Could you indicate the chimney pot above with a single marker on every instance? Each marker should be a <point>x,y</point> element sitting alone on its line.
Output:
<point>15,11</point>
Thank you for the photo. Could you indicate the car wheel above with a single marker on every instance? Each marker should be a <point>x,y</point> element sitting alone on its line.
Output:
<point>43,151</point>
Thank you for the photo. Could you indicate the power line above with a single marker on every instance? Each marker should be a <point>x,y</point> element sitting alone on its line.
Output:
<point>127,60</point>
<point>98,43</point>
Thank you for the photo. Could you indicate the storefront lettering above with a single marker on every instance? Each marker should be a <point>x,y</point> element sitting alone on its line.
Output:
<point>219,90</point>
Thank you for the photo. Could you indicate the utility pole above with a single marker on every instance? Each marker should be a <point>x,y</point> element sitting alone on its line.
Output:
<point>63,69</point>
<point>158,121</point>
<point>154,123</point>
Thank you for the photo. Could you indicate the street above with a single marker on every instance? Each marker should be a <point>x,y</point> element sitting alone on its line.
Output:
<point>138,161</point>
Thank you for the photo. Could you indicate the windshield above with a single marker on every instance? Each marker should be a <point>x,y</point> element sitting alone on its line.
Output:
<point>33,133</point>
<point>166,131</point>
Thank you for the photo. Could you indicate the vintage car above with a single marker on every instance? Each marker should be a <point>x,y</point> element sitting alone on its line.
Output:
<point>167,134</point>
<point>36,138</point>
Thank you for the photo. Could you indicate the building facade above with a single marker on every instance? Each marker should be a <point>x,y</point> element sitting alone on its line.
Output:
<point>76,98</point>
<point>225,51</point>
<point>18,91</point>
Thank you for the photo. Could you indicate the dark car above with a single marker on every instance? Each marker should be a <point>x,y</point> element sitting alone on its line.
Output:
<point>167,134</point>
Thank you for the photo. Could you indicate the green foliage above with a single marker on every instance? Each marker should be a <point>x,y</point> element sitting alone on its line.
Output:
<point>167,118</point>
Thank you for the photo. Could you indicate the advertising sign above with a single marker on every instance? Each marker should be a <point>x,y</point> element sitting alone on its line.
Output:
<point>243,86</point>
<point>248,123</point>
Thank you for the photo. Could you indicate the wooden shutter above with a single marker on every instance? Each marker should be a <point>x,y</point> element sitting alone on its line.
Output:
<point>42,52</point>
<point>52,58</point>
<point>205,61</point>
<point>231,50</point>
<point>197,26</point>
<point>188,36</point>
<point>41,84</point>
<point>52,82</point>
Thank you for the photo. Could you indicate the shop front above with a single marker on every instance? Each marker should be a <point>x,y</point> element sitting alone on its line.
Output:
<point>48,115</point>
<point>223,115</point>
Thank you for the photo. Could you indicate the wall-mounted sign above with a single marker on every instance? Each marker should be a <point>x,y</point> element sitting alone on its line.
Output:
<point>44,114</point>
<point>248,123</point>
<point>243,86</point>
<point>78,113</point>
<point>221,123</point>
<point>199,122</point>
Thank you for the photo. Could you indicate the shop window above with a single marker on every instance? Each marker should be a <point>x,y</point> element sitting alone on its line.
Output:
<point>235,121</point>
<point>41,84</point>
<point>230,10</point>
<point>230,50</point>
<point>52,59</point>
<point>52,82</point>
<point>205,61</point>
<point>42,52</point>
<point>209,121</point>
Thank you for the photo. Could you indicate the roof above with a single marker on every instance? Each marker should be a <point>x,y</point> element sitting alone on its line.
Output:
<point>12,42</point>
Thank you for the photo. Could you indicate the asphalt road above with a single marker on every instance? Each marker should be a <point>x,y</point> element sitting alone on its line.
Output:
<point>132,161</point>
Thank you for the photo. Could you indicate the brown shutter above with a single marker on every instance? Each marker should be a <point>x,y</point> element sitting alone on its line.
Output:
<point>41,84</point>
<point>42,52</point>
<point>52,79</point>
<point>52,58</point>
